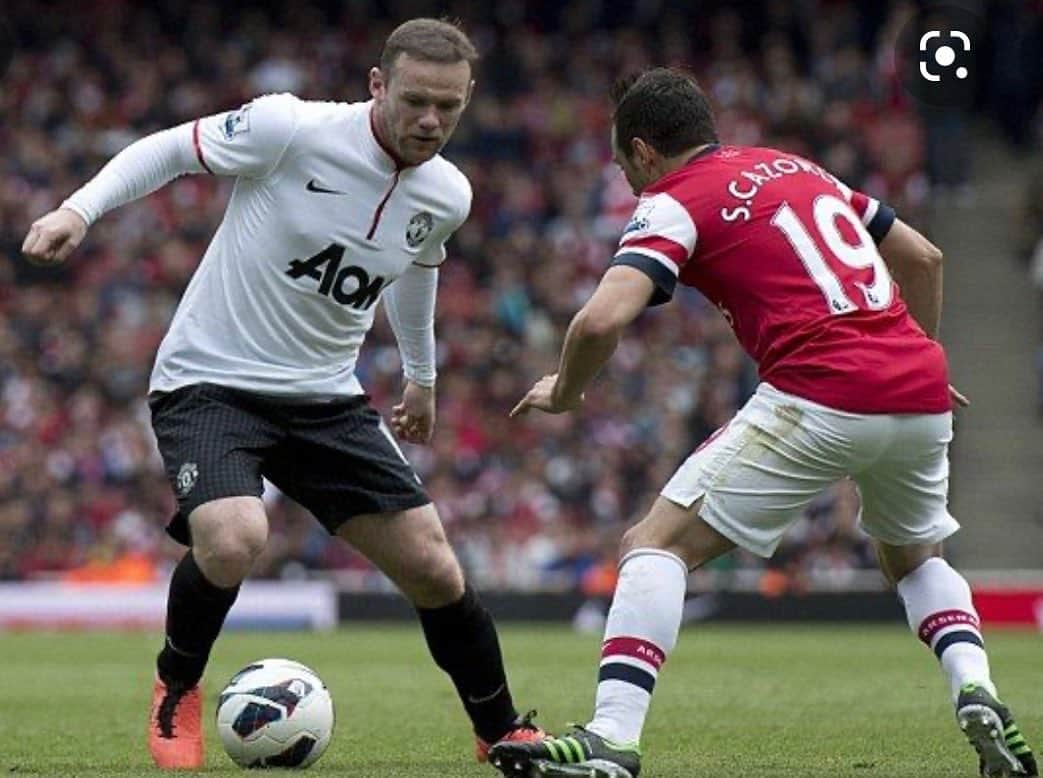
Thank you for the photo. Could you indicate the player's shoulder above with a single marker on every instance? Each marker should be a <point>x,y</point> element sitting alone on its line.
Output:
<point>324,124</point>
<point>273,107</point>
<point>442,171</point>
<point>740,172</point>
<point>447,182</point>
<point>320,115</point>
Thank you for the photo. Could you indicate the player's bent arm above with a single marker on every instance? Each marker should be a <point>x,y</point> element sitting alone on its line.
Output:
<point>593,334</point>
<point>139,169</point>
<point>142,167</point>
<point>410,307</point>
<point>916,265</point>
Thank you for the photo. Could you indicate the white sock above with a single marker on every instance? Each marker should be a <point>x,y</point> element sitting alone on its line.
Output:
<point>641,630</point>
<point>941,613</point>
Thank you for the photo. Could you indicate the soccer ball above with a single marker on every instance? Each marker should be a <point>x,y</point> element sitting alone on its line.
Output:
<point>275,713</point>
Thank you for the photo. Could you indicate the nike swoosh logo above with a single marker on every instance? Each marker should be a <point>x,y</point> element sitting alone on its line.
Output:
<point>480,700</point>
<point>313,187</point>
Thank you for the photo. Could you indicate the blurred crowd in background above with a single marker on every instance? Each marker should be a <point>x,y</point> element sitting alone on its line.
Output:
<point>539,502</point>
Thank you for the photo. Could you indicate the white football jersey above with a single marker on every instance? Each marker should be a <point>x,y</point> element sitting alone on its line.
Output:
<point>320,221</point>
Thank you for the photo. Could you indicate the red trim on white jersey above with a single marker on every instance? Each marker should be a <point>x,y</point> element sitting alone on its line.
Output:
<point>380,207</point>
<point>199,147</point>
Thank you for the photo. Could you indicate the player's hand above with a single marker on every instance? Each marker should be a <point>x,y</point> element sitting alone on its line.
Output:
<point>958,397</point>
<point>53,237</point>
<point>413,419</point>
<point>543,397</point>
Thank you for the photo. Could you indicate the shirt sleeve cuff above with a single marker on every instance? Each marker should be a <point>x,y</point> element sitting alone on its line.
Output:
<point>881,223</point>
<point>79,211</point>
<point>665,281</point>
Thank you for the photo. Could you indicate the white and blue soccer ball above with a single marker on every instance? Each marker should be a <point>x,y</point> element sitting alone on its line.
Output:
<point>275,713</point>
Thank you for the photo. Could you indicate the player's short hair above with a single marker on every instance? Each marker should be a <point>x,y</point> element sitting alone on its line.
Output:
<point>430,40</point>
<point>665,108</point>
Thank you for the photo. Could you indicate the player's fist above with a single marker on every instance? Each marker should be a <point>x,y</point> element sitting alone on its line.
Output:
<point>958,398</point>
<point>413,419</point>
<point>53,237</point>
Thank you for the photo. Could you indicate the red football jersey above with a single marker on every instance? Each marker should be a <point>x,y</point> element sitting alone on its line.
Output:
<point>788,253</point>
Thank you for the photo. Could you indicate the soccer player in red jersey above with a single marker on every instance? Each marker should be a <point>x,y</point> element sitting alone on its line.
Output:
<point>853,384</point>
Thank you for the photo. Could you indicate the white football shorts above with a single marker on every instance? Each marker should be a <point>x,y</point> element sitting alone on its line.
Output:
<point>758,473</point>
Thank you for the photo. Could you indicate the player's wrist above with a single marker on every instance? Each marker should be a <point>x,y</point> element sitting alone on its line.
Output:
<point>423,382</point>
<point>564,396</point>
<point>76,209</point>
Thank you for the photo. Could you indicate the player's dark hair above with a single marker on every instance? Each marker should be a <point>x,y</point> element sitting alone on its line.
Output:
<point>430,40</point>
<point>665,108</point>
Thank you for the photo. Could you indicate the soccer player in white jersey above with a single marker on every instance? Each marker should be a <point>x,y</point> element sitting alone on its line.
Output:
<point>335,207</point>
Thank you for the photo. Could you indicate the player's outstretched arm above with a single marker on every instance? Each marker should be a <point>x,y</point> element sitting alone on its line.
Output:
<point>142,167</point>
<point>591,340</point>
<point>247,142</point>
<point>916,265</point>
<point>54,236</point>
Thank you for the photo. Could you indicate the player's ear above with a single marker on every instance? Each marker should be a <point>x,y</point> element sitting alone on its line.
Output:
<point>642,152</point>
<point>470,91</point>
<point>377,82</point>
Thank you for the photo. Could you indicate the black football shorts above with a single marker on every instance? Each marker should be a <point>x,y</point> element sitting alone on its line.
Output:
<point>335,457</point>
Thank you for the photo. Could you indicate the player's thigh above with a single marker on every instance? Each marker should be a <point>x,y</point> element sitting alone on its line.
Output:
<point>679,530</point>
<point>341,461</point>
<point>213,442</point>
<point>411,548</point>
<point>344,465</point>
<point>757,475</point>
<point>905,489</point>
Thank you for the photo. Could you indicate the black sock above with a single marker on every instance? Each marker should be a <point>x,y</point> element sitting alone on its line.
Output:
<point>196,609</point>
<point>462,639</point>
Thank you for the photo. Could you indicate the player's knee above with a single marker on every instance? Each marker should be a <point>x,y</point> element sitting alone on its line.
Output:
<point>436,578</point>
<point>630,541</point>
<point>641,536</point>
<point>896,562</point>
<point>227,552</point>
<point>227,559</point>
<point>689,547</point>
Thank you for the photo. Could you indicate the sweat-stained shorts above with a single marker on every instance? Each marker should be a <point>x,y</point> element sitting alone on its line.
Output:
<point>757,474</point>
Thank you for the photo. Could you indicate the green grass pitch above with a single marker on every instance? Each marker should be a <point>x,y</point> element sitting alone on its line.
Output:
<point>732,701</point>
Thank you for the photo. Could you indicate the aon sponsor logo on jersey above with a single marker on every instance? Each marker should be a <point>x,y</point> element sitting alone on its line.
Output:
<point>348,285</point>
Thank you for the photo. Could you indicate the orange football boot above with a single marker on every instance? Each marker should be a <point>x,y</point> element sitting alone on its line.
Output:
<point>175,727</point>
<point>522,731</point>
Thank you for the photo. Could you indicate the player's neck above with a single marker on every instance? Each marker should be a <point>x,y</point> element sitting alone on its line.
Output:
<point>686,156</point>
<point>667,165</point>
<point>379,127</point>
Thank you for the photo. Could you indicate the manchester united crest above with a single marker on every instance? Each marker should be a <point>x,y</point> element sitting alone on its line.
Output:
<point>186,478</point>
<point>419,228</point>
